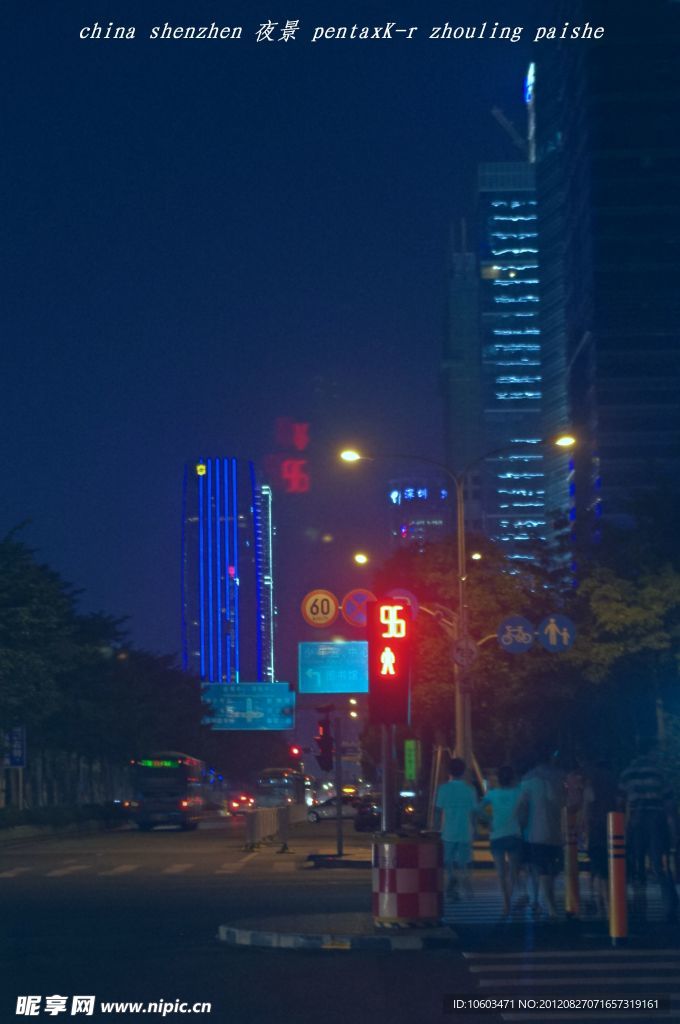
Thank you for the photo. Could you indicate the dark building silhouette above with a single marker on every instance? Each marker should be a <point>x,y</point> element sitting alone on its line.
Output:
<point>608,188</point>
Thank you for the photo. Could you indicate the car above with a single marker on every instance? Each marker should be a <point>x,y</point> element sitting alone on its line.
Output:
<point>328,809</point>
<point>239,802</point>
<point>369,815</point>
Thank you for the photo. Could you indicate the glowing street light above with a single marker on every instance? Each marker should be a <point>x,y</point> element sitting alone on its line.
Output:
<point>350,455</point>
<point>476,556</point>
<point>360,558</point>
<point>565,441</point>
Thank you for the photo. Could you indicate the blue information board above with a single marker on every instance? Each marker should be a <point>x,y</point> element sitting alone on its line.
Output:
<point>338,667</point>
<point>13,748</point>
<point>249,706</point>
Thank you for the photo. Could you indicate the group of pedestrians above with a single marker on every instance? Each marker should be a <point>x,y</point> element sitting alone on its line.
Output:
<point>526,828</point>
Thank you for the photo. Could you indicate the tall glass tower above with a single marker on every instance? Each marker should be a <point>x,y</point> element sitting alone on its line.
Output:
<point>513,481</point>
<point>228,612</point>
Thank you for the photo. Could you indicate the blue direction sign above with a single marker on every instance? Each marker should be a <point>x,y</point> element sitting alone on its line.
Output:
<point>13,748</point>
<point>557,633</point>
<point>515,634</point>
<point>251,706</point>
<point>339,667</point>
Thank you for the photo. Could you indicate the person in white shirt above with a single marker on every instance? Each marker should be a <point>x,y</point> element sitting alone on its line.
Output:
<point>505,834</point>
<point>457,804</point>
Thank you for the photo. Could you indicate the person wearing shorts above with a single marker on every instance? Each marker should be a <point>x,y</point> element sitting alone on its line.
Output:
<point>456,805</point>
<point>505,835</point>
<point>540,808</point>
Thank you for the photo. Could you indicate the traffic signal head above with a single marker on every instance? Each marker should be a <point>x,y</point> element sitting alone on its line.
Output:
<point>324,741</point>
<point>389,661</point>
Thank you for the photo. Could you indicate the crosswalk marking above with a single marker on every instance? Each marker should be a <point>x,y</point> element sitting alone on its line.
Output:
<point>231,867</point>
<point>13,872</point>
<point>604,973</point>
<point>122,869</point>
<point>669,965</point>
<point>562,954</point>
<point>613,979</point>
<point>70,870</point>
<point>176,869</point>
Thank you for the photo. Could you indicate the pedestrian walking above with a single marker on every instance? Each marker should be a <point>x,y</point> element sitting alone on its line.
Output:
<point>647,797</point>
<point>600,797</point>
<point>505,834</point>
<point>540,811</point>
<point>456,804</point>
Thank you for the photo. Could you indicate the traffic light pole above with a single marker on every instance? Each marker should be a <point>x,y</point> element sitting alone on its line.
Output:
<point>338,784</point>
<point>387,811</point>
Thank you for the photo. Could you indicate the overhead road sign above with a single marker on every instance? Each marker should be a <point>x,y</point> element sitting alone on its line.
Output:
<point>515,634</point>
<point>354,606</point>
<point>338,667</point>
<point>250,706</point>
<point>319,608</point>
<point>557,633</point>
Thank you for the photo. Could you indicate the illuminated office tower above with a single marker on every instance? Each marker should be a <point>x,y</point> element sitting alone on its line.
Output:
<point>513,481</point>
<point>228,612</point>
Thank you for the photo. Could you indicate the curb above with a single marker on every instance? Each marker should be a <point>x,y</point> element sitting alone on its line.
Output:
<point>330,860</point>
<point>233,936</point>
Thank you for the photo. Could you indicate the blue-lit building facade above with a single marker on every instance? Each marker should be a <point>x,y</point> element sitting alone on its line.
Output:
<point>228,610</point>
<point>513,481</point>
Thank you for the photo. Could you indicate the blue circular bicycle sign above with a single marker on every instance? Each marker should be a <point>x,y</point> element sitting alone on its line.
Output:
<point>515,634</point>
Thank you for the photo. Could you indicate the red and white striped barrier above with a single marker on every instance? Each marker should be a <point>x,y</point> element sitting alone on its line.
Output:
<point>408,881</point>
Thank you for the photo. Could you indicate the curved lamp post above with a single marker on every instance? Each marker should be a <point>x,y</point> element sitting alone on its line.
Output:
<point>463,740</point>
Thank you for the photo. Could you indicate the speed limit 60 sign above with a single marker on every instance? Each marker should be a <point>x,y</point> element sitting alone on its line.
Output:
<point>319,608</point>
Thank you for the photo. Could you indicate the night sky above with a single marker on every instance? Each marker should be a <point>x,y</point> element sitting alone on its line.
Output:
<point>201,236</point>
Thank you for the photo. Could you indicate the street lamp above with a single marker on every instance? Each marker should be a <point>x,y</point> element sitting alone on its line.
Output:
<point>360,558</point>
<point>463,739</point>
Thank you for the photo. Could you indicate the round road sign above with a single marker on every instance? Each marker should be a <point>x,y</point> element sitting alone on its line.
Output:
<point>354,606</point>
<point>465,652</point>
<point>319,608</point>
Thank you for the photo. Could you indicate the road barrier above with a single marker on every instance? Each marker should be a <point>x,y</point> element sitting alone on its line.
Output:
<point>265,824</point>
<point>408,881</point>
<point>572,896</point>
<point>616,849</point>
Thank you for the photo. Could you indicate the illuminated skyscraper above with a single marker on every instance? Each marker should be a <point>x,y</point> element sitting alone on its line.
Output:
<point>492,363</point>
<point>228,612</point>
<point>513,480</point>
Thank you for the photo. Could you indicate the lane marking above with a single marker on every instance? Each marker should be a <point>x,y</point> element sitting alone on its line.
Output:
<point>13,872</point>
<point>70,870</point>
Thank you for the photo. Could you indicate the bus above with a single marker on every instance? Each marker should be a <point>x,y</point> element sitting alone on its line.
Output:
<point>276,787</point>
<point>170,788</point>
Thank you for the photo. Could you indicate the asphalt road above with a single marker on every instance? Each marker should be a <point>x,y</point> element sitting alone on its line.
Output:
<point>127,916</point>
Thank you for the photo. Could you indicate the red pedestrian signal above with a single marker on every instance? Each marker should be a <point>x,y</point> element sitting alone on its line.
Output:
<point>389,661</point>
<point>324,741</point>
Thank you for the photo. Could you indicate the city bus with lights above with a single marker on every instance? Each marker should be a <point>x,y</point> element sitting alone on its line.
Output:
<point>169,788</point>
<point>276,787</point>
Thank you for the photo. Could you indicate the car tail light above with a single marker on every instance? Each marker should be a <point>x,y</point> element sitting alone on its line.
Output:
<point>184,804</point>
<point>235,803</point>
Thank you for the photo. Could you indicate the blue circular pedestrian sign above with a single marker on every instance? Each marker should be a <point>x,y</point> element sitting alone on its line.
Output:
<point>515,634</point>
<point>557,633</point>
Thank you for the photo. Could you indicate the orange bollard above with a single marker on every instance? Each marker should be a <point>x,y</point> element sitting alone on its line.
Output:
<point>572,898</point>
<point>616,849</point>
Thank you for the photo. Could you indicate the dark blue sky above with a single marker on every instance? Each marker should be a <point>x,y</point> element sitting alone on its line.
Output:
<point>200,234</point>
